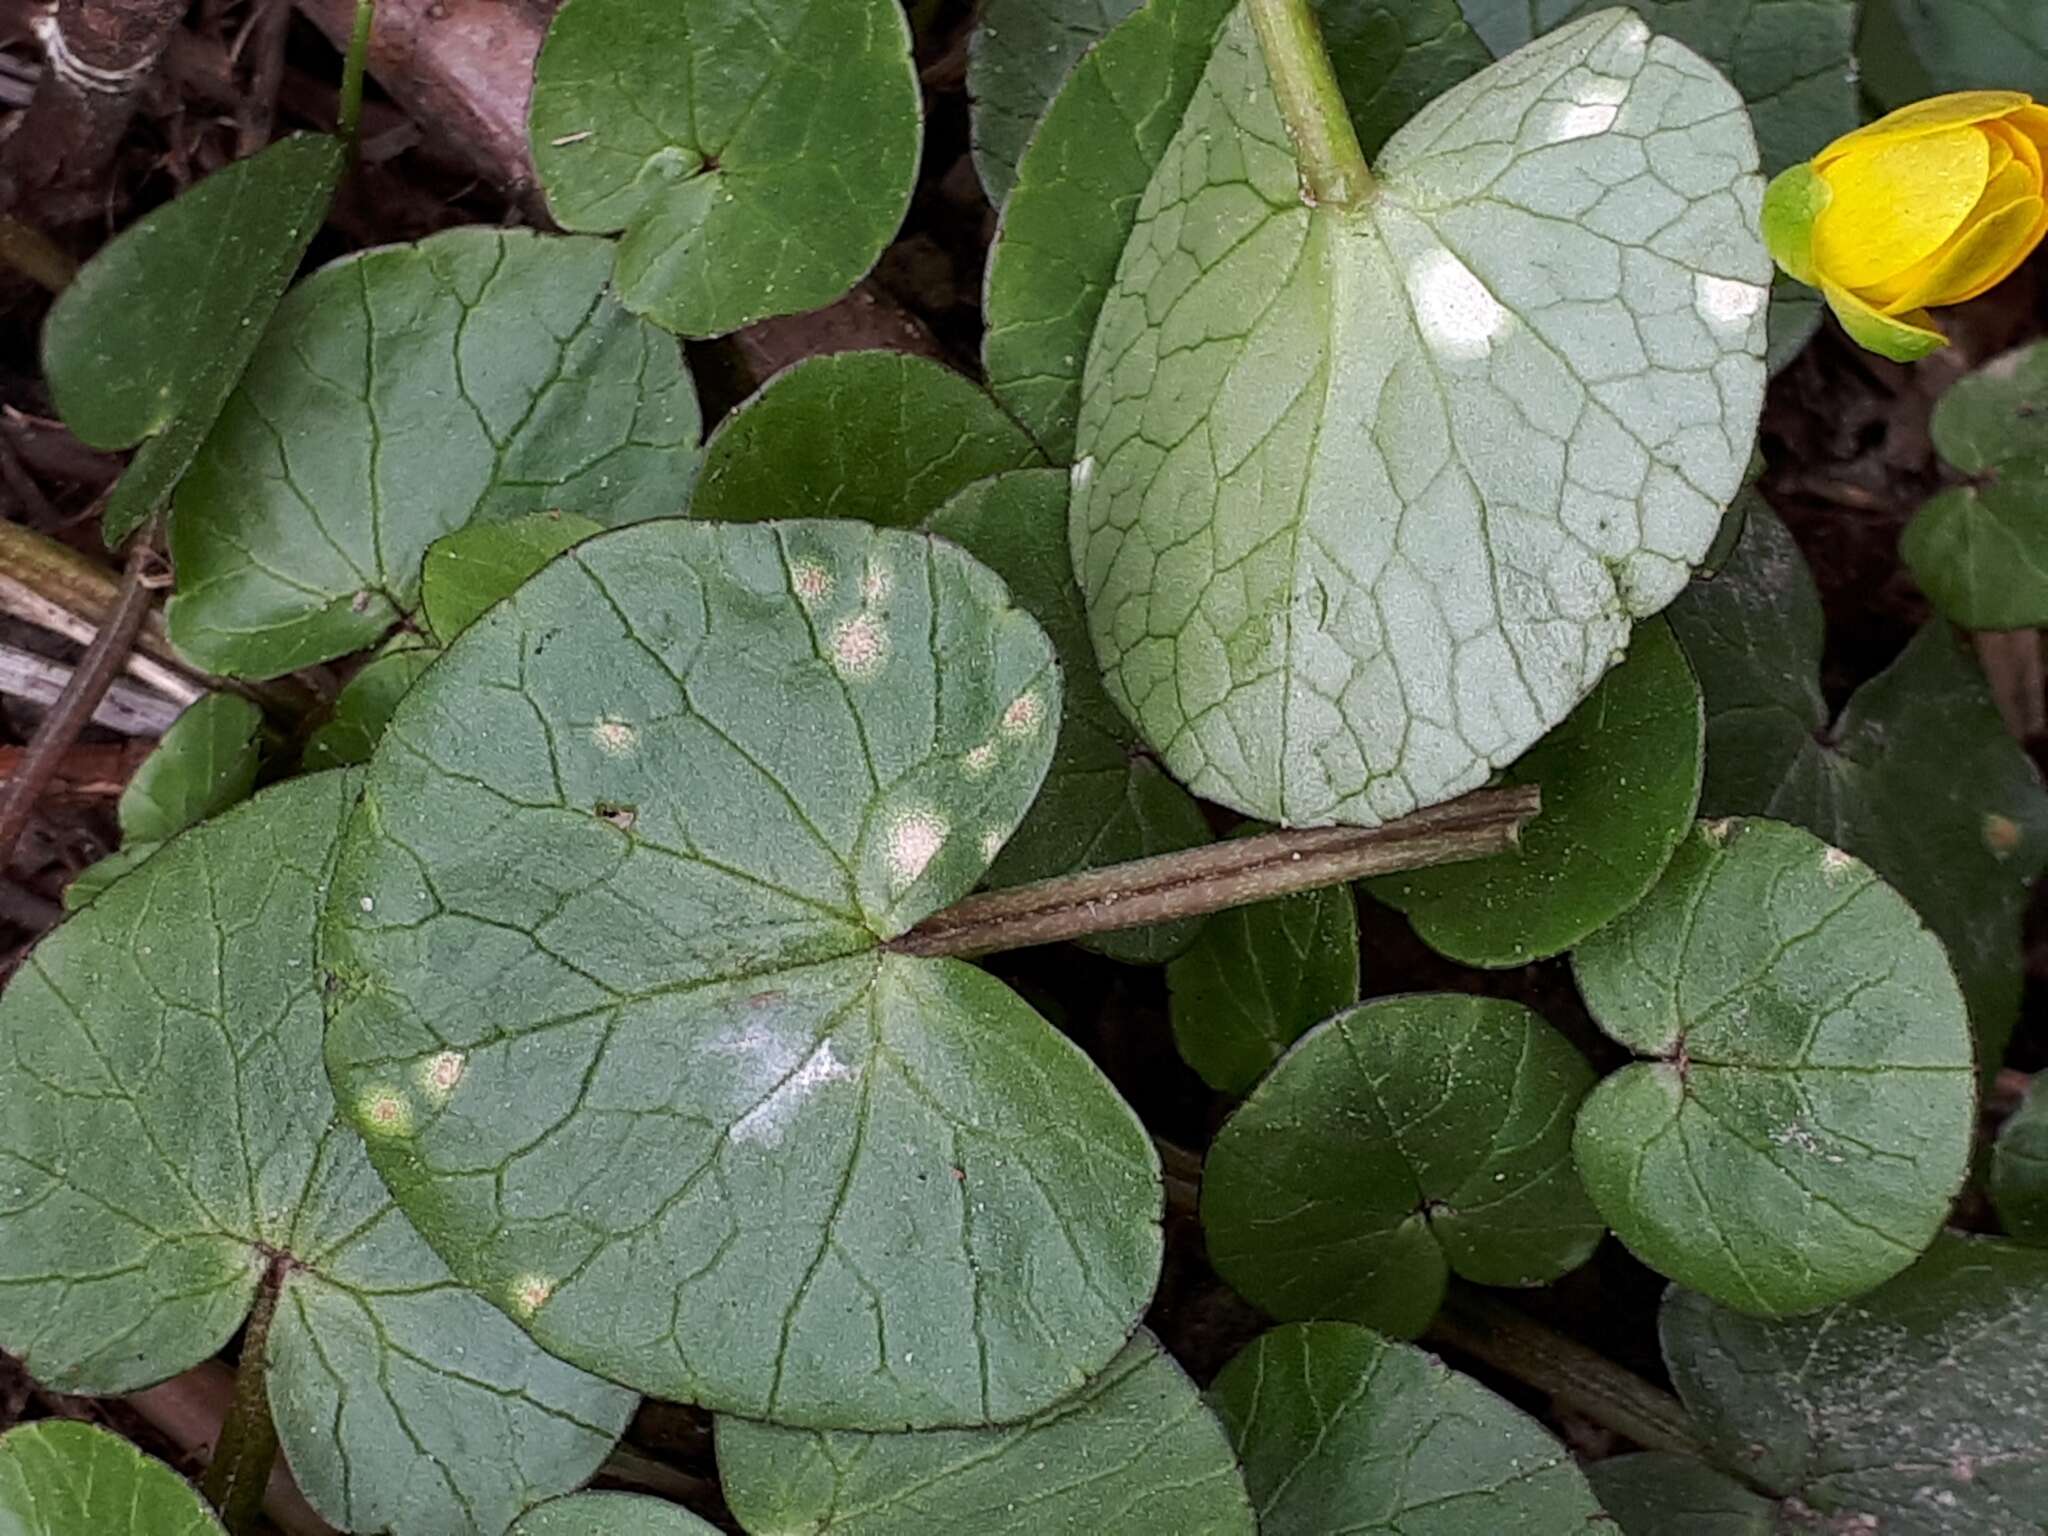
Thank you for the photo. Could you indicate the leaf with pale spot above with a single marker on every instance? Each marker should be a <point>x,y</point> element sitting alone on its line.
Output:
<point>1367,499</point>
<point>62,1478</point>
<point>167,1134</point>
<point>631,852</point>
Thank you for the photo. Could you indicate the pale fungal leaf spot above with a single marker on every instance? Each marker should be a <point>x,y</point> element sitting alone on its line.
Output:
<point>859,646</point>
<point>2001,835</point>
<point>1726,304</point>
<point>1716,832</point>
<point>914,841</point>
<point>385,1112</point>
<point>811,582</point>
<point>614,738</point>
<point>766,1121</point>
<point>878,582</point>
<point>439,1075</point>
<point>530,1293</point>
<point>1459,318</point>
<point>980,760</point>
<point>992,843</point>
<point>1834,864</point>
<point>1082,475</point>
<point>1025,714</point>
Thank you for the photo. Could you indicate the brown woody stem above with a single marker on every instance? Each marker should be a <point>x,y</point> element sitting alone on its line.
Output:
<point>1228,874</point>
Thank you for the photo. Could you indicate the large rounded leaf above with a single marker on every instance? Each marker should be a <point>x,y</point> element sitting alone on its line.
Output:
<point>60,1478</point>
<point>758,156</point>
<point>1401,1141</point>
<point>1134,1450</point>
<point>612,1014</point>
<point>1369,498</point>
<point>1804,1120</point>
<point>610,1514</point>
<point>1104,801</point>
<point>1913,1411</point>
<point>1343,1433</point>
<point>1620,781</point>
<point>167,1138</point>
<point>879,436</point>
<point>402,393</point>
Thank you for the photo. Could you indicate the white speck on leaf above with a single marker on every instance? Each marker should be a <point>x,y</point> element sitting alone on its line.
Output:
<point>766,1121</point>
<point>384,1112</point>
<point>914,841</point>
<point>1724,303</point>
<point>614,737</point>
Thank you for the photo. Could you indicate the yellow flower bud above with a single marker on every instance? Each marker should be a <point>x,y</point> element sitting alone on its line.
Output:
<point>1929,206</point>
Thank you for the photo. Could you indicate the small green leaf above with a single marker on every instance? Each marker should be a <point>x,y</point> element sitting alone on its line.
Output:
<point>403,393</point>
<point>1260,977</point>
<point>1341,1430</point>
<point>758,157</point>
<point>62,1478</point>
<point>166,1134</point>
<point>1103,801</point>
<point>1020,56</point>
<point>1915,48</point>
<point>1402,1141</point>
<point>1335,567</point>
<point>1918,777</point>
<point>364,708</point>
<point>147,343</point>
<point>628,852</point>
<point>1079,184</point>
<point>1796,197</point>
<point>1914,1411</point>
<point>1657,1493</point>
<point>610,1514</point>
<point>205,763</point>
<point>1804,1119</point>
<point>2019,1170</point>
<point>880,437</point>
<point>1620,780</point>
<point>1134,1450</point>
<point>472,568</point>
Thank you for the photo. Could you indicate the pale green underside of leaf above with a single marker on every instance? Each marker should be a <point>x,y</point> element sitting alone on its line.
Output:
<point>880,437</point>
<point>472,568</point>
<point>62,1478</point>
<point>1400,1142</point>
<point>626,853</point>
<point>1080,183</point>
<point>1369,499</point>
<point>610,1514</point>
<point>2019,1170</point>
<point>1104,801</point>
<point>1019,58</point>
<point>1260,977</point>
<point>1656,1493</point>
<point>403,393</point>
<point>1918,777</point>
<point>758,158</point>
<point>1805,1120</point>
<point>205,763</point>
<point>1917,1407</point>
<point>165,1126</point>
<point>364,707</point>
<point>1136,1449</point>
<point>1341,1430</point>
<point>148,341</point>
<point>1915,48</point>
<point>1620,780</point>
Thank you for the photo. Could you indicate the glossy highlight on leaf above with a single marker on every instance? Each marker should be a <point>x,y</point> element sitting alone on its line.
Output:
<point>628,852</point>
<point>63,1478</point>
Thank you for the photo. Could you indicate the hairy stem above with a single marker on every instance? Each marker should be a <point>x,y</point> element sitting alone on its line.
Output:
<point>1583,1379</point>
<point>239,1473</point>
<point>1334,173</point>
<point>1229,874</point>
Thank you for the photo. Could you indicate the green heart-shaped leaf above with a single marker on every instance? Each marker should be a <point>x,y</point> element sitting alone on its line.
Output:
<point>401,394</point>
<point>1334,563</point>
<point>1657,1493</point>
<point>1621,782</point>
<point>625,859</point>
<point>472,568</point>
<point>1079,184</point>
<point>205,763</point>
<point>1918,776</point>
<point>1020,56</point>
<point>610,1514</point>
<point>363,708</point>
<point>1135,1449</point>
<point>1402,1141</point>
<point>2019,1169</point>
<point>881,437</point>
<point>758,157</point>
<point>1914,1411</point>
<point>1341,1430</point>
<point>61,1478</point>
<point>1259,978</point>
<point>1804,1120</point>
<point>167,1137</point>
<point>147,343</point>
<point>1104,801</point>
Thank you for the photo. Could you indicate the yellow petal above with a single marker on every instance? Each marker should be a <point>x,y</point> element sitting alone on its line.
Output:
<point>2031,124</point>
<point>1988,235</point>
<point>1902,338</point>
<point>1898,203</point>
<point>1958,109</point>
<point>2024,149</point>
